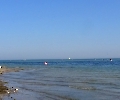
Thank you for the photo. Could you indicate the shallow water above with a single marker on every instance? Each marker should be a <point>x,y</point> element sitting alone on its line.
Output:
<point>79,79</point>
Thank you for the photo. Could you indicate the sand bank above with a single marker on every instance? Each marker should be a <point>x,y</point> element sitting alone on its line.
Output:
<point>4,69</point>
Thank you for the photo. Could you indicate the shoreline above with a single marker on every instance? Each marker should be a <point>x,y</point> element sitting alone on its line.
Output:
<point>4,90</point>
<point>4,69</point>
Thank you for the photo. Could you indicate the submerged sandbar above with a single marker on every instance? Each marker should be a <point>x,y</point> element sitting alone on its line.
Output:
<point>4,69</point>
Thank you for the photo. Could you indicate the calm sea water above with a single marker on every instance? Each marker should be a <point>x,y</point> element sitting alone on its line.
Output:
<point>74,79</point>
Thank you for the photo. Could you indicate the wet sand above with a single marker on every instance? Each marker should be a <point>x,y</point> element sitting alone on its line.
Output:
<point>4,90</point>
<point>4,69</point>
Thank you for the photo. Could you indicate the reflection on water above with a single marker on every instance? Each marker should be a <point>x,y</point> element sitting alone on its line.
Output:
<point>65,80</point>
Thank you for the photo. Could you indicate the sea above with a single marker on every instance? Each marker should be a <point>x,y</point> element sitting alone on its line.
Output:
<point>63,79</point>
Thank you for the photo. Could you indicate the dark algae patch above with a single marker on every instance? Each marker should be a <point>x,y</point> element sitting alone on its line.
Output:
<point>3,88</point>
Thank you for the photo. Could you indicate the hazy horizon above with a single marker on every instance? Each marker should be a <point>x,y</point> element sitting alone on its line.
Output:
<point>60,59</point>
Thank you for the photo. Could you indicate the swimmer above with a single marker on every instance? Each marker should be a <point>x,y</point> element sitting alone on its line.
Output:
<point>45,63</point>
<point>110,59</point>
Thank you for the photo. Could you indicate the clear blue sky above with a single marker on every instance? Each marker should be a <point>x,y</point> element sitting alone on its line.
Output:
<point>36,29</point>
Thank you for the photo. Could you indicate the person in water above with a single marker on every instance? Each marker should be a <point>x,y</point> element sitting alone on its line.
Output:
<point>45,63</point>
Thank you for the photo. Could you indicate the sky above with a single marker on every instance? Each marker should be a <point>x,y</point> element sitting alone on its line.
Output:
<point>59,29</point>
